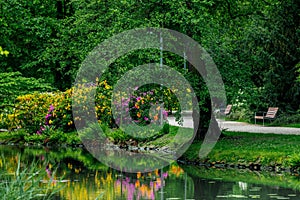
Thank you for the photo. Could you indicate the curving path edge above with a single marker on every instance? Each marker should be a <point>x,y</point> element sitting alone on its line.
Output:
<point>240,126</point>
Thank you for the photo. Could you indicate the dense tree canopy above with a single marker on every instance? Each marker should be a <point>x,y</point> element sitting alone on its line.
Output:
<point>255,44</point>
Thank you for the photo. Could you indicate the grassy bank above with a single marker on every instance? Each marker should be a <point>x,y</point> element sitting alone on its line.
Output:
<point>54,137</point>
<point>251,148</point>
<point>235,148</point>
<point>284,180</point>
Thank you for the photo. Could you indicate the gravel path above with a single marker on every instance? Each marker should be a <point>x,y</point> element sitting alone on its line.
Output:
<point>241,127</point>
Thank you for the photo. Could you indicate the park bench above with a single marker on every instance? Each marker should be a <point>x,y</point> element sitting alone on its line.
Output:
<point>223,111</point>
<point>270,114</point>
<point>228,109</point>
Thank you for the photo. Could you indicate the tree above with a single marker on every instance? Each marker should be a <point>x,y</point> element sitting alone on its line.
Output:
<point>252,42</point>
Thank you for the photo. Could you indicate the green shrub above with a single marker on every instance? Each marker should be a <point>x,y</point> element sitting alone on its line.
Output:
<point>241,114</point>
<point>285,119</point>
<point>13,136</point>
<point>13,84</point>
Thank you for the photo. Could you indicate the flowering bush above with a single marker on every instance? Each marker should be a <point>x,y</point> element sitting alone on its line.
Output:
<point>44,113</point>
<point>39,112</point>
<point>144,106</point>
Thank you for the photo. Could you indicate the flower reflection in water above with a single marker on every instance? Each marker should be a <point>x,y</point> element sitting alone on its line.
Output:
<point>145,185</point>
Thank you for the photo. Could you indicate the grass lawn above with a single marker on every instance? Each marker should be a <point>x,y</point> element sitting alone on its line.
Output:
<point>292,125</point>
<point>284,180</point>
<point>247,148</point>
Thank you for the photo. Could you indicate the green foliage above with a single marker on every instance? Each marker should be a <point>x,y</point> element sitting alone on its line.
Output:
<point>54,137</point>
<point>13,84</point>
<point>252,43</point>
<point>13,136</point>
<point>294,161</point>
<point>25,30</point>
<point>255,46</point>
<point>117,135</point>
<point>26,183</point>
<point>298,72</point>
<point>287,119</point>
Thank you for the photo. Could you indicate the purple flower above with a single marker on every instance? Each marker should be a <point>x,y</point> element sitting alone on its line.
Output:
<point>146,118</point>
<point>51,108</point>
<point>165,175</point>
<point>47,116</point>
<point>165,113</point>
<point>39,132</point>
<point>151,184</point>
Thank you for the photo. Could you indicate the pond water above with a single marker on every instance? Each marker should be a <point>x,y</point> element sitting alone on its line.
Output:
<point>83,177</point>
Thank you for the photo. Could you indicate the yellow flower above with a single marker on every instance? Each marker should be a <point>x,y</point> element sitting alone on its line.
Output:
<point>5,52</point>
<point>137,184</point>
<point>188,90</point>
<point>139,175</point>
<point>50,121</point>
<point>107,87</point>
<point>68,107</point>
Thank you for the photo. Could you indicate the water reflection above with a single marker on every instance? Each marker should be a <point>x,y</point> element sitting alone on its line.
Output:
<point>83,177</point>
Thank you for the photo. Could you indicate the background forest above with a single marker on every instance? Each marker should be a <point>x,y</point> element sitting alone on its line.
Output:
<point>255,45</point>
